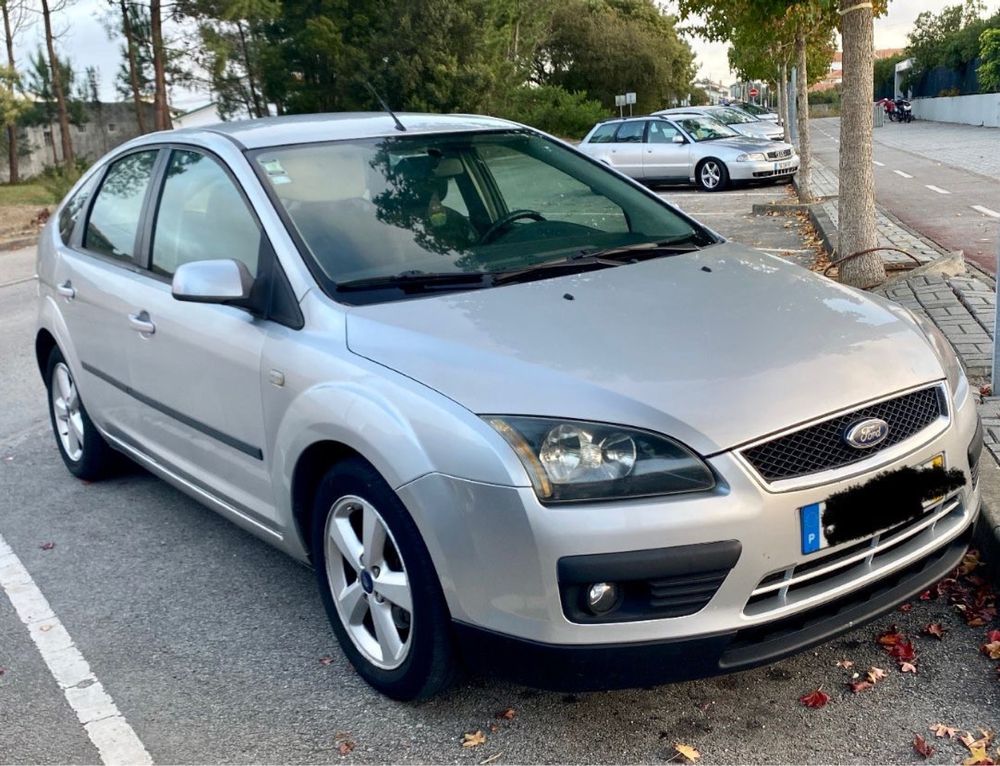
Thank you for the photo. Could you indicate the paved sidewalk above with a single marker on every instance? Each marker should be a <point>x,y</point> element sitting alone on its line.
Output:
<point>962,307</point>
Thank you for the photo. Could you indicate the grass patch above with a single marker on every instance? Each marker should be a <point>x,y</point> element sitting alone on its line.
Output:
<point>29,193</point>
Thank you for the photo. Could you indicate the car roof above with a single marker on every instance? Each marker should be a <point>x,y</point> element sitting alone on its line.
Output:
<point>316,128</point>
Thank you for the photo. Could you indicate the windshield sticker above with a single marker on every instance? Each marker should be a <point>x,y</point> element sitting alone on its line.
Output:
<point>279,180</point>
<point>273,167</point>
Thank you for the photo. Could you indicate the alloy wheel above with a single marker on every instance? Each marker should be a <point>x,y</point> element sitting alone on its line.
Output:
<point>68,416</point>
<point>711,175</point>
<point>368,581</point>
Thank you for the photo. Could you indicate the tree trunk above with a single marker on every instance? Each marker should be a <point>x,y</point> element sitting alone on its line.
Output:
<point>13,175</point>
<point>160,105</point>
<point>783,102</point>
<point>57,89</point>
<point>857,231</point>
<point>802,107</point>
<point>258,108</point>
<point>133,66</point>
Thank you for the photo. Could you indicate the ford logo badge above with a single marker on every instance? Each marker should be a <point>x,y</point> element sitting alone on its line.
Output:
<point>866,434</point>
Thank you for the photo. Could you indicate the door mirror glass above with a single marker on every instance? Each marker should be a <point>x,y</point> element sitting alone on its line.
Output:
<point>221,281</point>
<point>678,138</point>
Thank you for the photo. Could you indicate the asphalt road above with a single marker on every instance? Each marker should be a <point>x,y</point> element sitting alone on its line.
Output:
<point>212,645</point>
<point>941,179</point>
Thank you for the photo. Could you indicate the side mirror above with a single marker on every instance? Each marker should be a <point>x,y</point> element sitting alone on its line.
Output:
<point>679,139</point>
<point>222,281</point>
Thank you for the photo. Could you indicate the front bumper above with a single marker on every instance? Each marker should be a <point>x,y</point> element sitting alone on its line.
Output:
<point>619,666</point>
<point>498,554</point>
<point>756,171</point>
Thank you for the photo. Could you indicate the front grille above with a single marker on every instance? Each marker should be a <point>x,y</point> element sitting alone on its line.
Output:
<point>816,576</point>
<point>822,446</point>
<point>779,154</point>
<point>684,594</point>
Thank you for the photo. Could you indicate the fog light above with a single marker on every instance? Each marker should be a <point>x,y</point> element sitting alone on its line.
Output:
<point>602,597</point>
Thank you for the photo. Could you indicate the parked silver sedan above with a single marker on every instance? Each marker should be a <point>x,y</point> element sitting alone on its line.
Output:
<point>514,409</point>
<point>687,147</point>
<point>743,123</point>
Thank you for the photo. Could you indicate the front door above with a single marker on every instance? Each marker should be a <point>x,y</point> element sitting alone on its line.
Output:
<point>663,158</point>
<point>196,368</point>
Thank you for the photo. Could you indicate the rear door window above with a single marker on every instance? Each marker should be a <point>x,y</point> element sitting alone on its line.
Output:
<point>114,219</point>
<point>631,132</point>
<point>661,133</point>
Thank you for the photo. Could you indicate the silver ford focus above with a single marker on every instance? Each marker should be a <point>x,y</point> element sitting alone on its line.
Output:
<point>516,411</point>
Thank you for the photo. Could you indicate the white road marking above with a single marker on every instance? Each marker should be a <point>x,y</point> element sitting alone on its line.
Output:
<point>901,173</point>
<point>937,189</point>
<point>880,164</point>
<point>986,211</point>
<point>18,281</point>
<point>781,250</point>
<point>115,740</point>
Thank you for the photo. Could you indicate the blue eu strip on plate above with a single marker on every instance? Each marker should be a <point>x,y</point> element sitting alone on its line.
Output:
<point>812,527</point>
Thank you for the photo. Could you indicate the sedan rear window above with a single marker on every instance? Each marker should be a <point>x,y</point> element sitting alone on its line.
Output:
<point>455,203</point>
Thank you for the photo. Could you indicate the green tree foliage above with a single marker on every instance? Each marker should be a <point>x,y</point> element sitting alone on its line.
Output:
<point>989,54</point>
<point>38,82</point>
<point>885,76</point>
<point>507,57</point>
<point>951,38</point>
<point>12,106</point>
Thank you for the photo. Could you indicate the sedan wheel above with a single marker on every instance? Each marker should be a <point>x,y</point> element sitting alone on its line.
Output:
<point>81,446</point>
<point>378,584</point>
<point>368,581</point>
<point>712,175</point>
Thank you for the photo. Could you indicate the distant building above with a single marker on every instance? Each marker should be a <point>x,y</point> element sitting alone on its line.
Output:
<point>105,126</point>
<point>207,114</point>
<point>836,74</point>
<point>716,91</point>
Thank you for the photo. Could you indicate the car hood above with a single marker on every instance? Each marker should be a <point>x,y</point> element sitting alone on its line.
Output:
<point>743,144</point>
<point>715,348</point>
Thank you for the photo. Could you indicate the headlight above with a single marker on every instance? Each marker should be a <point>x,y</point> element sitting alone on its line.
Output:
<point>575,460</point>
<point>957,381</point>
<point>752,157</point>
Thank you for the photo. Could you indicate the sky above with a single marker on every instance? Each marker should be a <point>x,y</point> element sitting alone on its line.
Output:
<point>86,43</point>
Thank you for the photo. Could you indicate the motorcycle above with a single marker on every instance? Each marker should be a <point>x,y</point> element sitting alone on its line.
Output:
<point>889,107</point>
<point>903,111</point>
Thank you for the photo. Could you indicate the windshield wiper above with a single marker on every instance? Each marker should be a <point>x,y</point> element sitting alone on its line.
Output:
<point>419,280</point>
<point>607,258</point>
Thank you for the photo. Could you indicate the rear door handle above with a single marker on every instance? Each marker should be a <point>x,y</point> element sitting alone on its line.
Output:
<point>66,290</point>
<point>140,323</point>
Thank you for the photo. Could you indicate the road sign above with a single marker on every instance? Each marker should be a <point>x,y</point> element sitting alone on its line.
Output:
<point>630,98</point>
<point>620,101</point>
<point>754,92</point>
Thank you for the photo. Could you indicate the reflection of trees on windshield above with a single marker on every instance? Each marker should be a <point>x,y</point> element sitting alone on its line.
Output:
<point>412,199</point>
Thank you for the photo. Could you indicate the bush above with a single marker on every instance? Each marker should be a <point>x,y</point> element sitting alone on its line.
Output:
<point>552,109</point>
<point>57,181</point>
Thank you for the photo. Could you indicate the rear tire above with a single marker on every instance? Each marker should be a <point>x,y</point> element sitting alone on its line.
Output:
<point>86,455</point>
<point>378,585</point>
<point>712,175</point>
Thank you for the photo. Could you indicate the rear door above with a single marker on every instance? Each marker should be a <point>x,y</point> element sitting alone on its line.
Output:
<point>95,276</point>
<point>664,159</point>
<point>626,151</point>
<point>197,367</point>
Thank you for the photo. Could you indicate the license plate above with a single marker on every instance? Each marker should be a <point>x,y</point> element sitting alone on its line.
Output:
<point>783,165</point>
<point>811,516</point>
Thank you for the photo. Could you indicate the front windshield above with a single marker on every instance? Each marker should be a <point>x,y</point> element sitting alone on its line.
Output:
<point>732,116</point>
<point>755,110</point>
<point>455,203</point>
<point>705,128</point>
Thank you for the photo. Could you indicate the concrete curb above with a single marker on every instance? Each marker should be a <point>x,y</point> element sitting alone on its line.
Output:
<point>18,243</point>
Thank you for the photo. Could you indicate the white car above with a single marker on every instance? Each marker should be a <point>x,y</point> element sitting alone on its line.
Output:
<point>743,123</point>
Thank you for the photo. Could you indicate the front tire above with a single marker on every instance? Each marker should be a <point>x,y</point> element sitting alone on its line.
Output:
<point>378,585</point>
<point>81,446</point>
<point>712,175</point>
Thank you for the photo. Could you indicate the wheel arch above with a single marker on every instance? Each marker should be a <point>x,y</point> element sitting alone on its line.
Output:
<point>44,343</point>
<point>309,470</point>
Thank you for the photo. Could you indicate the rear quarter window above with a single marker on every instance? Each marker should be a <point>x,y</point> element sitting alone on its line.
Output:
<point>605,134</point>
<point>71,211</point>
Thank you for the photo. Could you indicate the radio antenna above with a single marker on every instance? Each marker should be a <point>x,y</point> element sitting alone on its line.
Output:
<point>385,106</point>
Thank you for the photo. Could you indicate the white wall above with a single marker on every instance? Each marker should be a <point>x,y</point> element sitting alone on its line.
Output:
<point>983,109</point>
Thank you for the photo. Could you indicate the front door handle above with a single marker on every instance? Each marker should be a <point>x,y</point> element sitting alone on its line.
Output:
<point>66,290</point>
<point>140,323</point>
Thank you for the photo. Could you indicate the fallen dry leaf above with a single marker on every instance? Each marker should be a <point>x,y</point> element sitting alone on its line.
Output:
<point>473,739</point>
<point>974,744</point>
<point>903,652</point>
<point>935,629</point>
<point>325,660</point>
<point>940,730</point>
<point>815,699</point>
<point>491,758</point>
<point>907,667</point>
<point>846,664</point>
<point>969,562</point>
<point>507,714</point>
<point>978,757</point>
<point>688,752</point>
<point>345,747</point>
<point>992,650</point>
<point>904,608</point>
<point>890,637</point>
<point>47,546</point>
<point>859,686</point>
<point>875,675</point>
<point>993,635</point>
<point>921,746</point>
